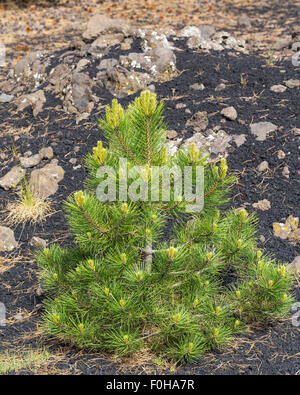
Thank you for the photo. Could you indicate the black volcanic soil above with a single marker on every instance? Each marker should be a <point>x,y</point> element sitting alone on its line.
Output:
<point>271,350</point>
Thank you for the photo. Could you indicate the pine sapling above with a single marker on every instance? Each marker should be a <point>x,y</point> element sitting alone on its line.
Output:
<point>152,273</point>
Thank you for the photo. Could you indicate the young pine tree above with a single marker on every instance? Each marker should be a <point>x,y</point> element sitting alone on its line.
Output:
<point>154,274</point>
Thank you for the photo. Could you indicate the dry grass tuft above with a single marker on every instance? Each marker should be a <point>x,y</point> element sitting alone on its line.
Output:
<point>28,208</point>
<point>25,359</point>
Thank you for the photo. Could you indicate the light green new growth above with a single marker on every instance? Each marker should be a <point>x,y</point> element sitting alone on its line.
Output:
<point>147,274</point>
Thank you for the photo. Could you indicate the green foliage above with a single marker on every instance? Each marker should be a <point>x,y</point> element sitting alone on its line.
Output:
<point>128,285</point>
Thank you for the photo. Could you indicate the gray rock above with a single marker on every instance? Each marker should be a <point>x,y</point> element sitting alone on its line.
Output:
<point>172,146</point>
<point>30,161</point>
<point>283,42</point>
<point>220,87</point>
<point>60,76</point>
<point>7,239</point>
<point>100,24</point>
<point>171,134</point>
<point>81,91</point>
<point>73,161</point>
<point>286,172</point>
<point>151,88</point>
<point>119,81</point>
<point>229,113</point>
<point>107,64</point>
<point>81,65</point>
<point>37,242</point>
<point>244,21</point>
<point>190,31</point>
<point>203,31</point>
<point>4,98</point>
<point>44,181</point>
<point>36,100</point>
<point>27,154</point>
<point>280,154</point>
<point>206,31</point>
<point>31,70</point>
<point>163,59</point>
<point>278,88</point>
<point>292,83</point>
<point>210,142</point>
<point>239,139</point>
<point>199,121</point>
<point>197,87</point>
<point>263,166</point>
<point>262,129</point>
<point>220,143</point>
<point>46,153</point>
<point>294,267</point>
<point>225,40</point>
<point>262,205</point>
<point>197,42</point>
<point>107,40</point>
<point>12,178</point>
<point>152,39</point>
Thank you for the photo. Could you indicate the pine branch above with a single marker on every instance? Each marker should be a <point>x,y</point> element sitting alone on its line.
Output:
<point>148,141</point>
<point>122,142</point>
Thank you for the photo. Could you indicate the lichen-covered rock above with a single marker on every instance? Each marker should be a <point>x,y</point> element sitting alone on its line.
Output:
<point>59,77</point>
<point>31,70</point>
<point>122,82</point>
<point>211,142</point>
<point>207,39</point>
<point>287,230</point>
<point>203,31</point>
<point>163,59</point>
<point>152,39</point>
